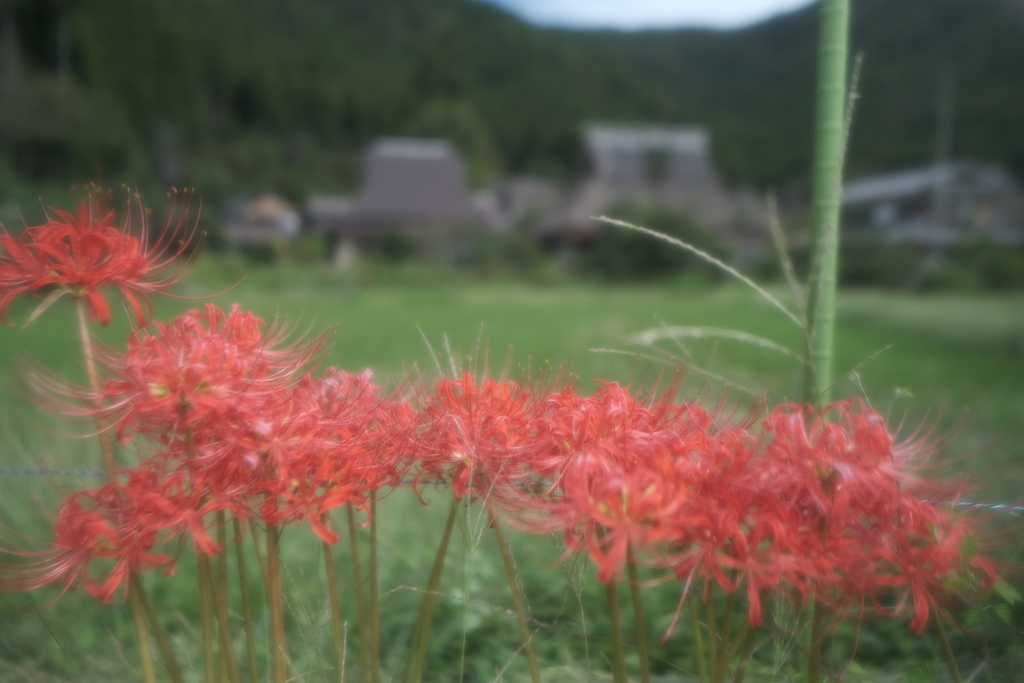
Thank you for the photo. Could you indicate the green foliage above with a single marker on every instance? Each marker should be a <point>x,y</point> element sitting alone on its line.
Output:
<point>244,95</point>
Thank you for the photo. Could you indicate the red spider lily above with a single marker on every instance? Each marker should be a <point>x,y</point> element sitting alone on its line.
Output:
<point>84,252</point>
<point>861,527</point>
<point>478,436</point>
<point>628,474</point>
<point>93,529</point>
<point>193,372</point>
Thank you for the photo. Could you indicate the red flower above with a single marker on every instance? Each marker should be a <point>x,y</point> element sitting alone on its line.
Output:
<point>195,372</point>
<point>84,253</point>
<point>99,538</point>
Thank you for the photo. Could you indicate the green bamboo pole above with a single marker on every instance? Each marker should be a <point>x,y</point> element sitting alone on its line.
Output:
<point>828,173</point>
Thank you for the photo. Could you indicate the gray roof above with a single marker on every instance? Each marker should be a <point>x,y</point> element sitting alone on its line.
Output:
<point>412,179</point>
<point>915,181</point>
<point>644,138</point>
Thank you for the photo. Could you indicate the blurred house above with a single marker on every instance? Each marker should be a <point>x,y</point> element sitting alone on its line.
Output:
<point>937,205</point>
<point>664,165</point>
<point>411,187</point>
<point>265,220</point>
<point>526,199</point>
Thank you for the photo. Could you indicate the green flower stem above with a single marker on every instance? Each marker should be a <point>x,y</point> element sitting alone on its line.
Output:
<point>517,597</point>
<point>275,600</point>
<point>335,607</point>
<point>725,635</point>
<point>638,616</point>
<point>206,617</point>
<point>135,584</point>
<point>747,635</point>
<point>139,619</point>
<point>618,653</point>
<point>709,614</point>
<point>109,466</point>
<point>814,653</point>
<point>219,590</point>
<point>375,671</point>
<point>417,655</point>
<point>698,641</point>
<point>243,584</point>
<point>828,173</point>
<point>357,577</point>
<point>947,651</point>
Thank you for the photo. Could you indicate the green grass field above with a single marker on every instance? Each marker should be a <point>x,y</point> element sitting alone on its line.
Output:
<point>952,363</point>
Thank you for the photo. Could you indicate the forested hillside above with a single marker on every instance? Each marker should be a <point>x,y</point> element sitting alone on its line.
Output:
<point>236,95</point>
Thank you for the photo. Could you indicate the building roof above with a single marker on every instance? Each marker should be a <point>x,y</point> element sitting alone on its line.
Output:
<point>411,179</point>
<point>914,181</point>
<point>644,138</point>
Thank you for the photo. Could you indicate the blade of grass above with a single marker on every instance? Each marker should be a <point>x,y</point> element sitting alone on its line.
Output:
<point>782,250</point>
<point>710,259</point>
<point>648,337</point>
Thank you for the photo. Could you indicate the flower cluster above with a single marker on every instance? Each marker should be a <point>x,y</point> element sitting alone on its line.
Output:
<point>806,503</point>
<point>231,421</point>
<point>811,503</point>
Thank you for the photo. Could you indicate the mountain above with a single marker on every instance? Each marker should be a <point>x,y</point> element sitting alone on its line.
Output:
<point>756,85</point>
<point>235,95</point>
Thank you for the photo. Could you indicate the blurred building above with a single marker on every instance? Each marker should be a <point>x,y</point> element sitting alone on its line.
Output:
<point>663,165</point>
<point>411,187</point>
<point>937,205</point>
<point>265,220</point>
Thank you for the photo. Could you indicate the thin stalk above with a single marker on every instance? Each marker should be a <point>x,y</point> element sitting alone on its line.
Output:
<point>219,586</point>
<point>417,655</point>
<point>278,648</point>
<point>374,594</point>
<point>243,585</point>
<point>827,188</point>
<point>135,584</point>
<point>517,597</point>
<point>698,642</point>
<point>357,576</point>
<point>107,454</point>
<point>89,356</point>
<point>947,651</point>
<point>139,618</point>
<point>814,654</point>
<point>260,559</point>
<point>206,617</point>
<point>618,654</point>
<point>709,609</point>
<point>725,636</point>
<point>335,607</point>
<point>748,645</point>
<point>638,616</point>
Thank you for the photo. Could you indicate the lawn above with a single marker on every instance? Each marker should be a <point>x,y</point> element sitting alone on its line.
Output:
<point>952,364</point>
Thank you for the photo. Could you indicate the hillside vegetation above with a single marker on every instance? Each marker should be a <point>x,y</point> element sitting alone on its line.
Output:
<point>235,95</point>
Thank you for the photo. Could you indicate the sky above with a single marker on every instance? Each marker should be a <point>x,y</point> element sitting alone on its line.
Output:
<point>639,14</point>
